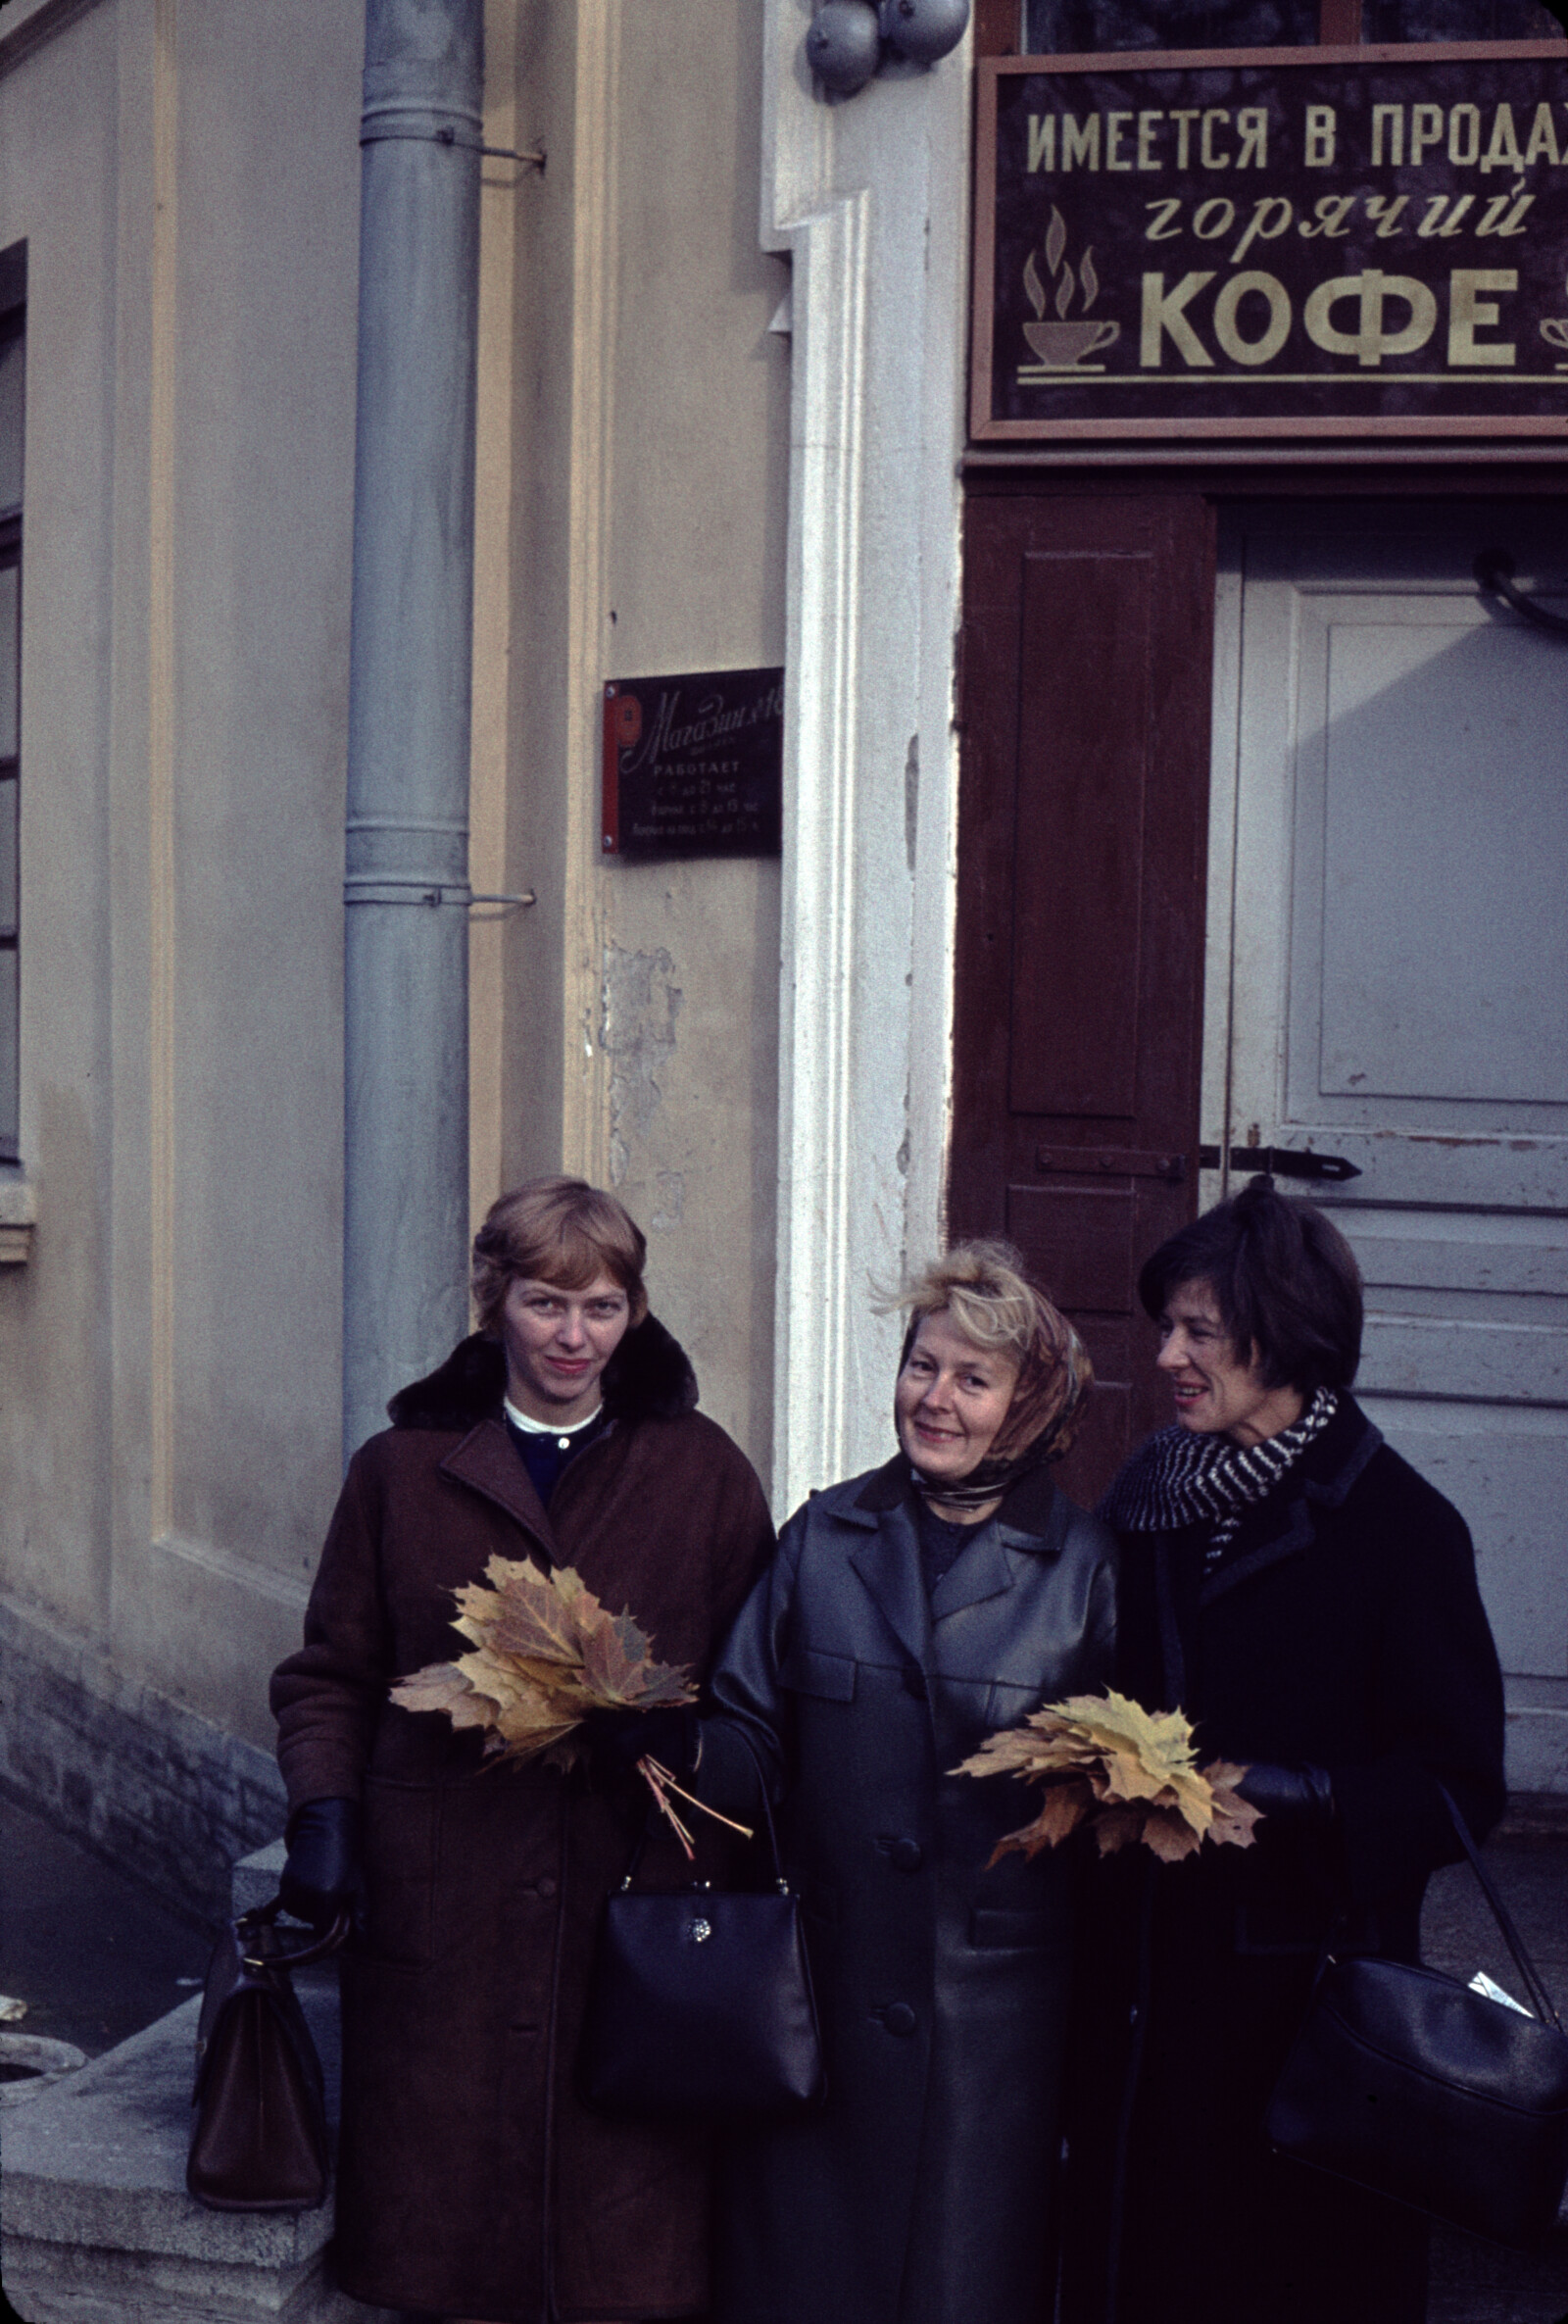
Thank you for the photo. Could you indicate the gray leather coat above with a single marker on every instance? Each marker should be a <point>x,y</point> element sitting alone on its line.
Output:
<point>922,2193</point>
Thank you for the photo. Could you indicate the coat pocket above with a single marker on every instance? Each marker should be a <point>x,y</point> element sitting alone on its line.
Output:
<point>402,1851</point>
<point>1026,1929</point>
<point>808,1670</point>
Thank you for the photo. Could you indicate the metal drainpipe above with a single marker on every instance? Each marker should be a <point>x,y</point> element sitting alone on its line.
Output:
<point>405,887</point>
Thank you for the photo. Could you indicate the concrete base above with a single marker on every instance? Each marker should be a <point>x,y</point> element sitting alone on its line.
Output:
<point>98,2228</point>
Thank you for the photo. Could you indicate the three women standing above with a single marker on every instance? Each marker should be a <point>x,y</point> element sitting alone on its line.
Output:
<point>472,2180</point>
<point>1311,1602</point>
<point>908,1613</point>
<point>1287,1580</point>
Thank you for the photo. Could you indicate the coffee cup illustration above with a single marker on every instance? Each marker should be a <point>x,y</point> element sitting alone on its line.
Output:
<point>1061,346</point>
<point>1063,341</point>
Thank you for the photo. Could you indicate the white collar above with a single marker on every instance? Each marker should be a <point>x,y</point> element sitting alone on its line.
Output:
<point>532,1427</point>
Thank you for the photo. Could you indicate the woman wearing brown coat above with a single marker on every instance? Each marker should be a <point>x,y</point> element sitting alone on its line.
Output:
<point>472,2182</point>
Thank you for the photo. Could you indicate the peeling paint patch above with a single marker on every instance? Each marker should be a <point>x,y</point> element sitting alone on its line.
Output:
<point>640,1005</point>
<point>671,1196</point>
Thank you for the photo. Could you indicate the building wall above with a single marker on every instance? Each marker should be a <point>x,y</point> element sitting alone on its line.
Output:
<point>638,1008</point>
<point>171,1348</point>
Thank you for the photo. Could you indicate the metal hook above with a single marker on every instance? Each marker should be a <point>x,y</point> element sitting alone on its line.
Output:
<point>1494,571</point>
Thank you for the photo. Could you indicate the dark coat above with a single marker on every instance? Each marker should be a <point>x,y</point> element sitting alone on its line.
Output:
<point>1344,1630</point>
<point>921,2193</point>
<point>472,2180</point>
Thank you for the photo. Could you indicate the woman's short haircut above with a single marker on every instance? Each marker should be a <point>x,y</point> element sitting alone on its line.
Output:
<point>1285,1281</point>
<point>561,1231</point>
<point>983,1287</point>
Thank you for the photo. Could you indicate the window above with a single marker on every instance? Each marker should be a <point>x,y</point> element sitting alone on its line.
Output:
<point>1061,27</point>
<point>13,293</point>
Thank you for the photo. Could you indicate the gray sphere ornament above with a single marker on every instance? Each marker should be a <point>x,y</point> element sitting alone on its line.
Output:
<point>843,45</point>
<point>924,30</point>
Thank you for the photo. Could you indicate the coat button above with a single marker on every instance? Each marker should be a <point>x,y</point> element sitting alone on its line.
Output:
<point>547,1887</point>
<point>906,1855</point>
<point>899,2019</point>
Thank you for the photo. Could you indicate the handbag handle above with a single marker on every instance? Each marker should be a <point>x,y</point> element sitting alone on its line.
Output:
<point>1505,1919</point>
<point>779,1881</point>
<point>263,1916</point>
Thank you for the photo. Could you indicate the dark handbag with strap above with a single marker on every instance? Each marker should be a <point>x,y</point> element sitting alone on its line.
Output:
<point>700,2002</point>
<point>258,2137</point>
<point>1412,2084</point>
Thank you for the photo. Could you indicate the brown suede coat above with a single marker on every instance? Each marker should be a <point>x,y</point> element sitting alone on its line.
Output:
<point>472,2180</point>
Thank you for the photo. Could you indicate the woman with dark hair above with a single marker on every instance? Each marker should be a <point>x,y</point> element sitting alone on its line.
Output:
<point>473,2183</point>
<point>908,1613</point>
<point>1311,1602</point>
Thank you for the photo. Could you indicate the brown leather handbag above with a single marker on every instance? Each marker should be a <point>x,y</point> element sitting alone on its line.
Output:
<point>259,2138</point>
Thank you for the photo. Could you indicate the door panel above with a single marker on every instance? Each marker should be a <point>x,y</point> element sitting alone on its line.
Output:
<point>1074,1044</point>
<point>1088,645</point>
<point>1390,991</point>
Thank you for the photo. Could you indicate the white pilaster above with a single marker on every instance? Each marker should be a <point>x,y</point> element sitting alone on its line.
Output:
<point>870,198</point>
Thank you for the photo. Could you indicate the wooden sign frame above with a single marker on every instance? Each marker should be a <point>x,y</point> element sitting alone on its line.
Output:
<point>1307,422</point>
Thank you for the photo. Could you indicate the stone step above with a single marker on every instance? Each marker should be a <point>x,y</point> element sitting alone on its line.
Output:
<point>97,2225</point>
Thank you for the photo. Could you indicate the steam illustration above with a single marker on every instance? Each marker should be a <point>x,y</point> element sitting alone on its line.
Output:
<point>1060,274</point>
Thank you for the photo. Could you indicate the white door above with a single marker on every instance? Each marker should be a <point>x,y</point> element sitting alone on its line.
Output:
<point>1388,990</point>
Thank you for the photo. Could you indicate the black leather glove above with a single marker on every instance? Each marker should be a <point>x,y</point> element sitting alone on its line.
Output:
<point>1289,1794</point>
<point>322,1876</point>
<point>618,1738</point>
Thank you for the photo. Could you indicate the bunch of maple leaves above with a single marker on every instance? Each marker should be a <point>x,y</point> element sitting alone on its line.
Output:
<point>1133,1775</point>
<point>547,1654</point>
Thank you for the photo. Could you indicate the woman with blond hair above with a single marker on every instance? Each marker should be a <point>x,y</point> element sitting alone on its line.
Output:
<point>472,2180</point>
<point>908,1614</point>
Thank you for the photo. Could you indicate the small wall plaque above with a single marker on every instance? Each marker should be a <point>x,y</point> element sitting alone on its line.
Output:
<point>693,766</point>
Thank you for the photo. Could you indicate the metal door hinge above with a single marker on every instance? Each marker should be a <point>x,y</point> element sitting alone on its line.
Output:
<point>1110,1161</point>
<point>1281,1161</point>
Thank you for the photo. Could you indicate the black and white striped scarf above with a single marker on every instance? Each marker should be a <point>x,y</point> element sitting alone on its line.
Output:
<point>1181,1478</point>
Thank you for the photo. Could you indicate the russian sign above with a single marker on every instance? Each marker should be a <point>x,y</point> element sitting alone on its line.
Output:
<point>693,766</point>
<point>1288,243</point>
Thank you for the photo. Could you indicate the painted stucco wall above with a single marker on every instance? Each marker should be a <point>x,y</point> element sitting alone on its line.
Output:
<point>170,1351</point>
<point>636,1008</point>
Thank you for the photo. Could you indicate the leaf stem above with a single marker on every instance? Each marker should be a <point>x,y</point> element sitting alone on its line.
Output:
<point>661,1780</point>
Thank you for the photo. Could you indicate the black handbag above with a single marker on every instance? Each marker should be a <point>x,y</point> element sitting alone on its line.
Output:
<point>700,2002</point>
<point>1408,2083</point>
<point>258,2137</point>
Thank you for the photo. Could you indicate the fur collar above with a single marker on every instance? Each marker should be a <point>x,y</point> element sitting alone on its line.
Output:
<point>647,1378</point>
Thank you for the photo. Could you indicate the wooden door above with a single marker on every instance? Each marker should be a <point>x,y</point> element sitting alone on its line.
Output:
<point>1085,711</point>
<point>1394,785</point>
